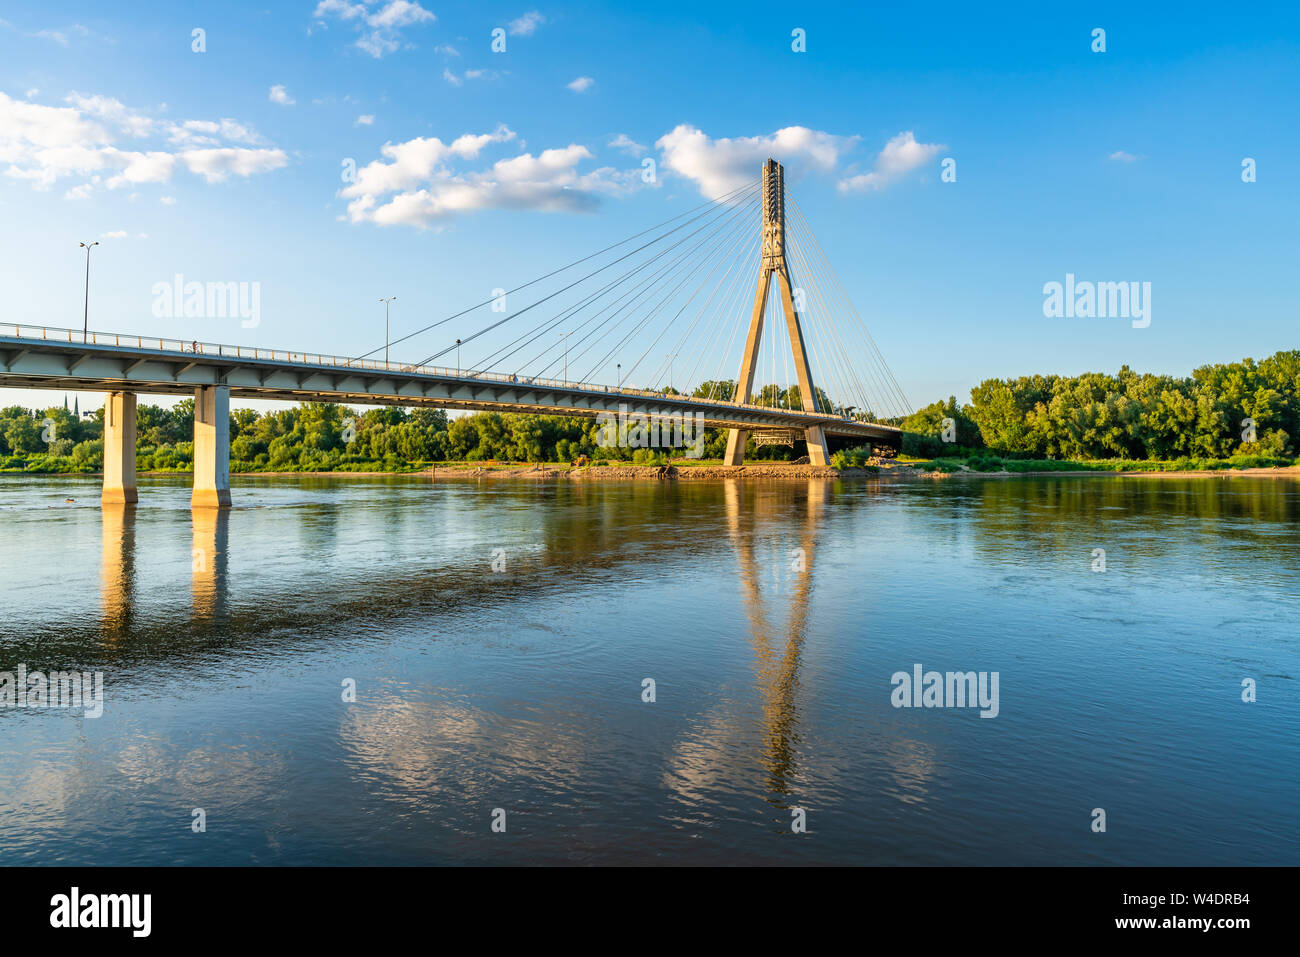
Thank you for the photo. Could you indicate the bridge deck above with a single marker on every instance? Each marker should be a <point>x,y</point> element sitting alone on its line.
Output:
<point>49,358</point>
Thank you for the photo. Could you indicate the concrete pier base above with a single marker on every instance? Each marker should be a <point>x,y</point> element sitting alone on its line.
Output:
<point>818,454</point>
<point>736,439</point>
<point>211,447</point>
<point>119,450</point>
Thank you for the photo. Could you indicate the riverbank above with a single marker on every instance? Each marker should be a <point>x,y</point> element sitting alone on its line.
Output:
<point>1274,472</point>
<point>886,470</point>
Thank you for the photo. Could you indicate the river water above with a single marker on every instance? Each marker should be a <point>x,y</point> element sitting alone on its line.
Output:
<point>499,635</point>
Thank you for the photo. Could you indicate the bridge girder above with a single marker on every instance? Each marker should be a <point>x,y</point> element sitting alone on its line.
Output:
<point>61,366</point>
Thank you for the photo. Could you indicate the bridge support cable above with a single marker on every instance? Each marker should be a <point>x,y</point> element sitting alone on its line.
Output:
<point>895,389</point>
<point>551,324</point>
<point>823,318</point>
<point>682,258</point>
<point>636,299</point>
<point>566,288</point>
<point>735,306</point>
<point>680,282</point>
<point>736,244</point>
<point>716,315</point>
<point>848,384</point>
<point>849,387</point>
<point>874,398</point>
<point>674,274</point>
<point>724,199</point>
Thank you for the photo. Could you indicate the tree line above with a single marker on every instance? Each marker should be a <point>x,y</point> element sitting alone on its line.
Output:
<point>1219,411</point>
<point>1244,408</point>
<point>323,436</point>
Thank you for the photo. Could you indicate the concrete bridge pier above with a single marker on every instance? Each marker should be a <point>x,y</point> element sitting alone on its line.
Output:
<point>119,450</point>
<point>818,454</point>
<point>211,447</point>
<point>817,451</point>
<point>736,439</point>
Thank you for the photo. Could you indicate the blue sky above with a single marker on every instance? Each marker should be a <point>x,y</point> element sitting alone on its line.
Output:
<point>483,169</point>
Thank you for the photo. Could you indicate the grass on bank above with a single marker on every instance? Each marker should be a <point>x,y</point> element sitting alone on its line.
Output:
<point>994,463</point>
<point>180,461</point>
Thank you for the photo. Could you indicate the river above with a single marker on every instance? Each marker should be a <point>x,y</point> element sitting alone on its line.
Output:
<point>499,634</point>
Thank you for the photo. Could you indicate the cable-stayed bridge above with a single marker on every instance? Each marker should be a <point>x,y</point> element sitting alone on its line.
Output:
<point>688,301</point>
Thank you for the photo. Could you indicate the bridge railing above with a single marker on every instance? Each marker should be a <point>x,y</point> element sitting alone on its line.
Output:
<point>165,345</point>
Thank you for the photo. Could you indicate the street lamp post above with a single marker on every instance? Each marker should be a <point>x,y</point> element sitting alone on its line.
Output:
<point>457,357</point>
<point>618,376</point>
<point>386,302</point>
<point>85,316</point>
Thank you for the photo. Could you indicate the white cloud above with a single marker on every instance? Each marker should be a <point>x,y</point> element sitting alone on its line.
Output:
<point>581,85</point>
<point>901,155</point>
<point>152,167</point>
<point>419,182</point>
<point>112,111</point>
<point>61,36</point>
<point>526,25</point>
<point>366,119</point>
<point>399,13</point>
<point>627,145</point>
<point>44,144</point>
<point>1120,156</point>
<point>339,9</point>
<point>195,133</point>
<point>217,165</point>
<point>446,49</point>
<point>115,234</point>
<point>455,80</point>
<point>722,165</point>
<point>380,24</point>
<point>168,200</point>
<point>280,95</point>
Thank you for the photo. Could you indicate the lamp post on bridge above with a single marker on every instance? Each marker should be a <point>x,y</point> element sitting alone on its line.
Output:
<point>85,316</point>
<point>386,302</point>
<point>458,358</point>
<point>671,357</point>
<point>618,375</point>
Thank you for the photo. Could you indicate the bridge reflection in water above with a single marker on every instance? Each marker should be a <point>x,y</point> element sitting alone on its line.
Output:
<point>208,558</point>
<point>776,590</point>
<point>776,649</point>
<point>117,571</point>
<point>748,602</point>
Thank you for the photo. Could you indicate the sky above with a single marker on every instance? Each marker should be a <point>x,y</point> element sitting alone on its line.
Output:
<point>338,151</point>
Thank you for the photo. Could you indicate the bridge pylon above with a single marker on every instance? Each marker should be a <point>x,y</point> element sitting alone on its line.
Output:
<point>775,267</point>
